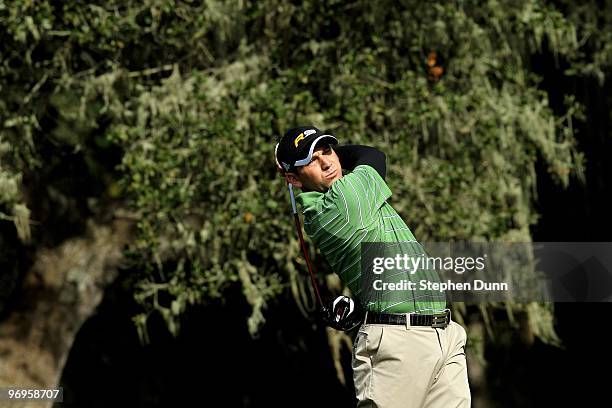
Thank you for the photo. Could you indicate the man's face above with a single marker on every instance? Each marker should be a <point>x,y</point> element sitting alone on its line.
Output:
<point>320,173</point>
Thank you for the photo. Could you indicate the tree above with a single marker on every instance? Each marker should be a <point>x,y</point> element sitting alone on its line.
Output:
<point>170,110</point>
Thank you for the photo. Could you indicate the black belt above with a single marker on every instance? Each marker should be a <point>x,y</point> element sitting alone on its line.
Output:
<point>440,320</point>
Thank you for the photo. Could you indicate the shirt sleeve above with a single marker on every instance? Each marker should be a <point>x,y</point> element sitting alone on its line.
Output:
<point>359,195</point>
<point>352,156</point>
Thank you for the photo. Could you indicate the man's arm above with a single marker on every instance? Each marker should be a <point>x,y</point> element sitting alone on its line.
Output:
<point>352,156</point>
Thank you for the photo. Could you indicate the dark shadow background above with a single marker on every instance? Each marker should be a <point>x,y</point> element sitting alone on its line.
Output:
<point>212,362</point>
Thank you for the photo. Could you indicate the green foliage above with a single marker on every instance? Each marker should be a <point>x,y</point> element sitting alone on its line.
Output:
<point>194,94</point>
<point>201,202</point>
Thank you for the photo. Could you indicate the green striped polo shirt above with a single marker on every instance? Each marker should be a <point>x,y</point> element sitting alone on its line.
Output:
<point>354,210</point>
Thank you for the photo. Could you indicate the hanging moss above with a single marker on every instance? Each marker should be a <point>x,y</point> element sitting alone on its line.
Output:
<point>194,95</point>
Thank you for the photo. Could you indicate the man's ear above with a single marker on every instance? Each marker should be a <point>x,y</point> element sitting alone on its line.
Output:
<point>292,178</point>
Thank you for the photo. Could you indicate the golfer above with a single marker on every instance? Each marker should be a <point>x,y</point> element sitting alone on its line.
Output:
<point>407,352</point>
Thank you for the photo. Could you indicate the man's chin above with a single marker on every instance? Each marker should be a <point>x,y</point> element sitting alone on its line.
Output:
<point>328,185</point>
<point>324,186</point>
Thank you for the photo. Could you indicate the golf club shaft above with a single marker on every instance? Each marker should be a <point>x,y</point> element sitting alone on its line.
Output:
<point>298,227</point>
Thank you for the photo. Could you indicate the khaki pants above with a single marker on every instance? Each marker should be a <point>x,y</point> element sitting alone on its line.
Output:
<point>414,366</point>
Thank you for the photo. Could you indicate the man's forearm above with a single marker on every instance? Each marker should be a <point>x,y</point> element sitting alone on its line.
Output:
<point>352,156</point>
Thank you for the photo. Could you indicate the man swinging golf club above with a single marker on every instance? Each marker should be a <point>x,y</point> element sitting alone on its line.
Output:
<point>408,352</point>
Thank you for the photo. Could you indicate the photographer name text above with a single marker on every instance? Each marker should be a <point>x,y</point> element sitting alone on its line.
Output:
<point>475,285</point>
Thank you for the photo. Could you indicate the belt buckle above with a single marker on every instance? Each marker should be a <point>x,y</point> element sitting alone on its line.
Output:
<point>441,321</point>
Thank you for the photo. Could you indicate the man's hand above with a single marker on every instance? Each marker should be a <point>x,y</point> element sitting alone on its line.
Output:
<point>341,314</point>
